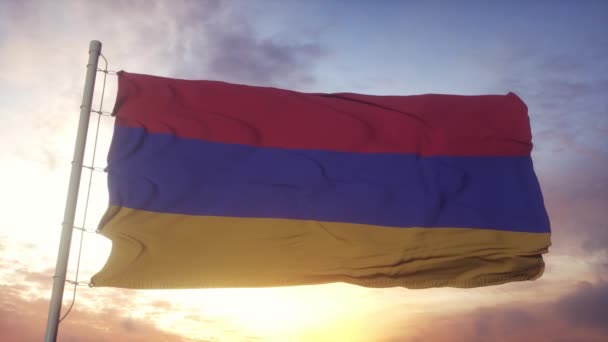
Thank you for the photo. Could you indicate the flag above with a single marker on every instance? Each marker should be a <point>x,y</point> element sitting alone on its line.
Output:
<point>215,184</point>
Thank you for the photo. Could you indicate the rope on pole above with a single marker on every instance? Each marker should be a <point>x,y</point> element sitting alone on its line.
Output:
<point>59,279</point>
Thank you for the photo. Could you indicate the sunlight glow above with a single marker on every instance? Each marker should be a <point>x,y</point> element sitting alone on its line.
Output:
<point>303,313</point>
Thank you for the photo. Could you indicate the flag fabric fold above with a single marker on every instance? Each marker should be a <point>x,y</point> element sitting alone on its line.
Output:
<point>222,185</point>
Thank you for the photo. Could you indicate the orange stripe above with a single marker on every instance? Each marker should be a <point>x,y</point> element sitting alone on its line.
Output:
<point>152,250</point>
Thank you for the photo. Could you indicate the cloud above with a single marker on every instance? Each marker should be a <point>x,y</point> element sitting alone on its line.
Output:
<point>214,40</point>
<point>43,53</point>
<point>587,307</point>
<point>196,39</point>
<point>565,93</point>
<point>564,88</point>
<point>578,316</point>
<point>22,320</point>
<point>236,56</point>
<point>43,278</point>
<point>42,58</point>
<point>575,200</point>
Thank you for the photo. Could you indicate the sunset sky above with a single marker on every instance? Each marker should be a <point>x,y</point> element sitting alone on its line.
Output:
<point>553,54</point>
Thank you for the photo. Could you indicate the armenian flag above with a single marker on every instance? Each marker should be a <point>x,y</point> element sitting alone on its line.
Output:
<point>215,184</point>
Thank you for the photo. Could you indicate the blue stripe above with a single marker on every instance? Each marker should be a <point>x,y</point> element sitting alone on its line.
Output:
<point>163,173</point>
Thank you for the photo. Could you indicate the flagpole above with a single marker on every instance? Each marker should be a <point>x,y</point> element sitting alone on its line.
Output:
<point>74,185</point>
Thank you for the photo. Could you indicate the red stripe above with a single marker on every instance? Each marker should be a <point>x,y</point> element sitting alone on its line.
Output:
<point>427,125</point>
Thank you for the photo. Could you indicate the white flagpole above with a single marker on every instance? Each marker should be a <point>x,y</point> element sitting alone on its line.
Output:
<point>72,199</point>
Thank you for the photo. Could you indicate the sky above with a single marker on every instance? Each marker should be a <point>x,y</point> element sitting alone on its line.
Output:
<point>553,54</point>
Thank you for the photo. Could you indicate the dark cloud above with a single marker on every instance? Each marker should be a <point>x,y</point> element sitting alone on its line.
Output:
<point>578,316</point>
<point>202,40</point>
<point>128,325</point>
<point>43,278</point>
<point>17,8</point>
<point>486,322</point>
<point>162,304</point>
<point>241,57</point>
<point>587,307</point>
<point>182,38</point>
<point>225,46</point>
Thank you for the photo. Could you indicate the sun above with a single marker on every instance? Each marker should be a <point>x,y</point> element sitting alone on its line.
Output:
<point>332,312</point>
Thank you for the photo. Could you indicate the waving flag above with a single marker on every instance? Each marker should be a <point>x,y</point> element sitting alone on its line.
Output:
<point>222,185</point>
